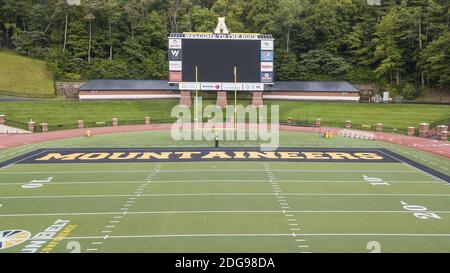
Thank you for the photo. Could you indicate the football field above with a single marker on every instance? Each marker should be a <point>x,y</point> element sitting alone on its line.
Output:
<point>223,206</point>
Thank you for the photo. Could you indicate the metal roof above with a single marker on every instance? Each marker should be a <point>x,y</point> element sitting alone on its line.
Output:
<point>121,85</point>
<point>163,85</point>
<point>341,86</point>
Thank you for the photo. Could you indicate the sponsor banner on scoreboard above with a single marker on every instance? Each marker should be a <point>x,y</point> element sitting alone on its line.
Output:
<point>175,55</point>
<point>267,77</point>
<point>266,66</point>
<point>175,77</point>
<point>232,86</point>
<point>175,43</point>
<point>253,87</point>
<point>210,86</point>
<point>267,45</point>
<point>175,66</point>
<point>267,56</point>
<point>189,86</point>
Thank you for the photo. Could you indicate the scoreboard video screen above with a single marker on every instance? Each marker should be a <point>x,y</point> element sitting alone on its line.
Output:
<point>208,61</point>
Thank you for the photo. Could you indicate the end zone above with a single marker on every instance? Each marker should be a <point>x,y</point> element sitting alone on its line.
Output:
<point>285,154</point>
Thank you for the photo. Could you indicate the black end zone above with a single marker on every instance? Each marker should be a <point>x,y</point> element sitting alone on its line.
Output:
<point>130,155</point>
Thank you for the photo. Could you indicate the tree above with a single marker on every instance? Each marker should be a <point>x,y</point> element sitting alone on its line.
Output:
<point>287,66</point>
<point>89,17</point>
<point>62,8</point>
<point>199,19</point>
<point>322,63</point>
<point>288,14</point>
<point>112,12</point>
<point>435,60</point>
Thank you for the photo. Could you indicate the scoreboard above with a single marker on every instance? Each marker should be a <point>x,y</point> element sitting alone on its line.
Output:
<point>209,61</point>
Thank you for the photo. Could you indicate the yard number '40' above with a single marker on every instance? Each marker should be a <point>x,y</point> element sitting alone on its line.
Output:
<point>375,181</point>
<point>420,212</point>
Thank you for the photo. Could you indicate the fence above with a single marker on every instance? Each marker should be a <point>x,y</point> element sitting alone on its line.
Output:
<point>293,122</point>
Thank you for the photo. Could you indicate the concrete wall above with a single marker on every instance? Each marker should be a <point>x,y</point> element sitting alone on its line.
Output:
<point>110,95</point>
<point>68,89</point>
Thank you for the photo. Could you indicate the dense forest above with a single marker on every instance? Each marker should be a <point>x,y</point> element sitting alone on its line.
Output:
<point>402,45</point>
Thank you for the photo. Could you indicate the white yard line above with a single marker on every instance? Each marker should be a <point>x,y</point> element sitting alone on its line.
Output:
<point>204,212</point>
<point>215,181</point>
<point>222,194</point>
<point>261,235</point>
<point>227,171</point>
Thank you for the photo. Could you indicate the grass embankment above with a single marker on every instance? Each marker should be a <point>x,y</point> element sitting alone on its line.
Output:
<point>68,112</point>
<point>24,77</point>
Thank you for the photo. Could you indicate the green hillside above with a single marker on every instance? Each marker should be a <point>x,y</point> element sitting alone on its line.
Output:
<point>24,77</point>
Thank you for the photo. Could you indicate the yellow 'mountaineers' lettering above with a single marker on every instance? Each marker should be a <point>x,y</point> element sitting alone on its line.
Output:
<point>369,156</point>
<point>255,155</point>
<point>239,155</point>
<point>163,155</point>
<point>315,156</point>
<point>60,156</point>
<point>94,156</point>
<point>221,155</point>
<point>341,156</point>
<point>290,155</point>
<point>187,155</point>
<point>119,156</point>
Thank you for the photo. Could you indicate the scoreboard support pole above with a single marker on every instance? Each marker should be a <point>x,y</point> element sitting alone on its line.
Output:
<point>235,98</point>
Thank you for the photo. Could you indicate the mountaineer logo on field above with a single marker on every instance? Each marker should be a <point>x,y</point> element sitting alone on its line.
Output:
<point>10,238</point>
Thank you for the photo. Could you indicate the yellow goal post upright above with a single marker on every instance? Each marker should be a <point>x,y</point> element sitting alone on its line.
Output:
<point>196,94</point>
<point>235,98</point>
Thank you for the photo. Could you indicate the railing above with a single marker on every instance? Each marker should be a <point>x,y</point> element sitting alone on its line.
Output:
<point>293,122</point>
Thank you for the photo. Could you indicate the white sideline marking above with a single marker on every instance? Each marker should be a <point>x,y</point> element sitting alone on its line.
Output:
<point>23,159</point>
<point>91,249</point>
<point>412,167</point>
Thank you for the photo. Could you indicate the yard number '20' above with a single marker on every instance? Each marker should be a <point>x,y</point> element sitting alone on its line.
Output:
<point>420,212</point>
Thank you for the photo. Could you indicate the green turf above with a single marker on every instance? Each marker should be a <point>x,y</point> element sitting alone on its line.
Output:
<point>24,77</point>
<point>208,210</point>
<point>68,112</point>
<point>229,206</point>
